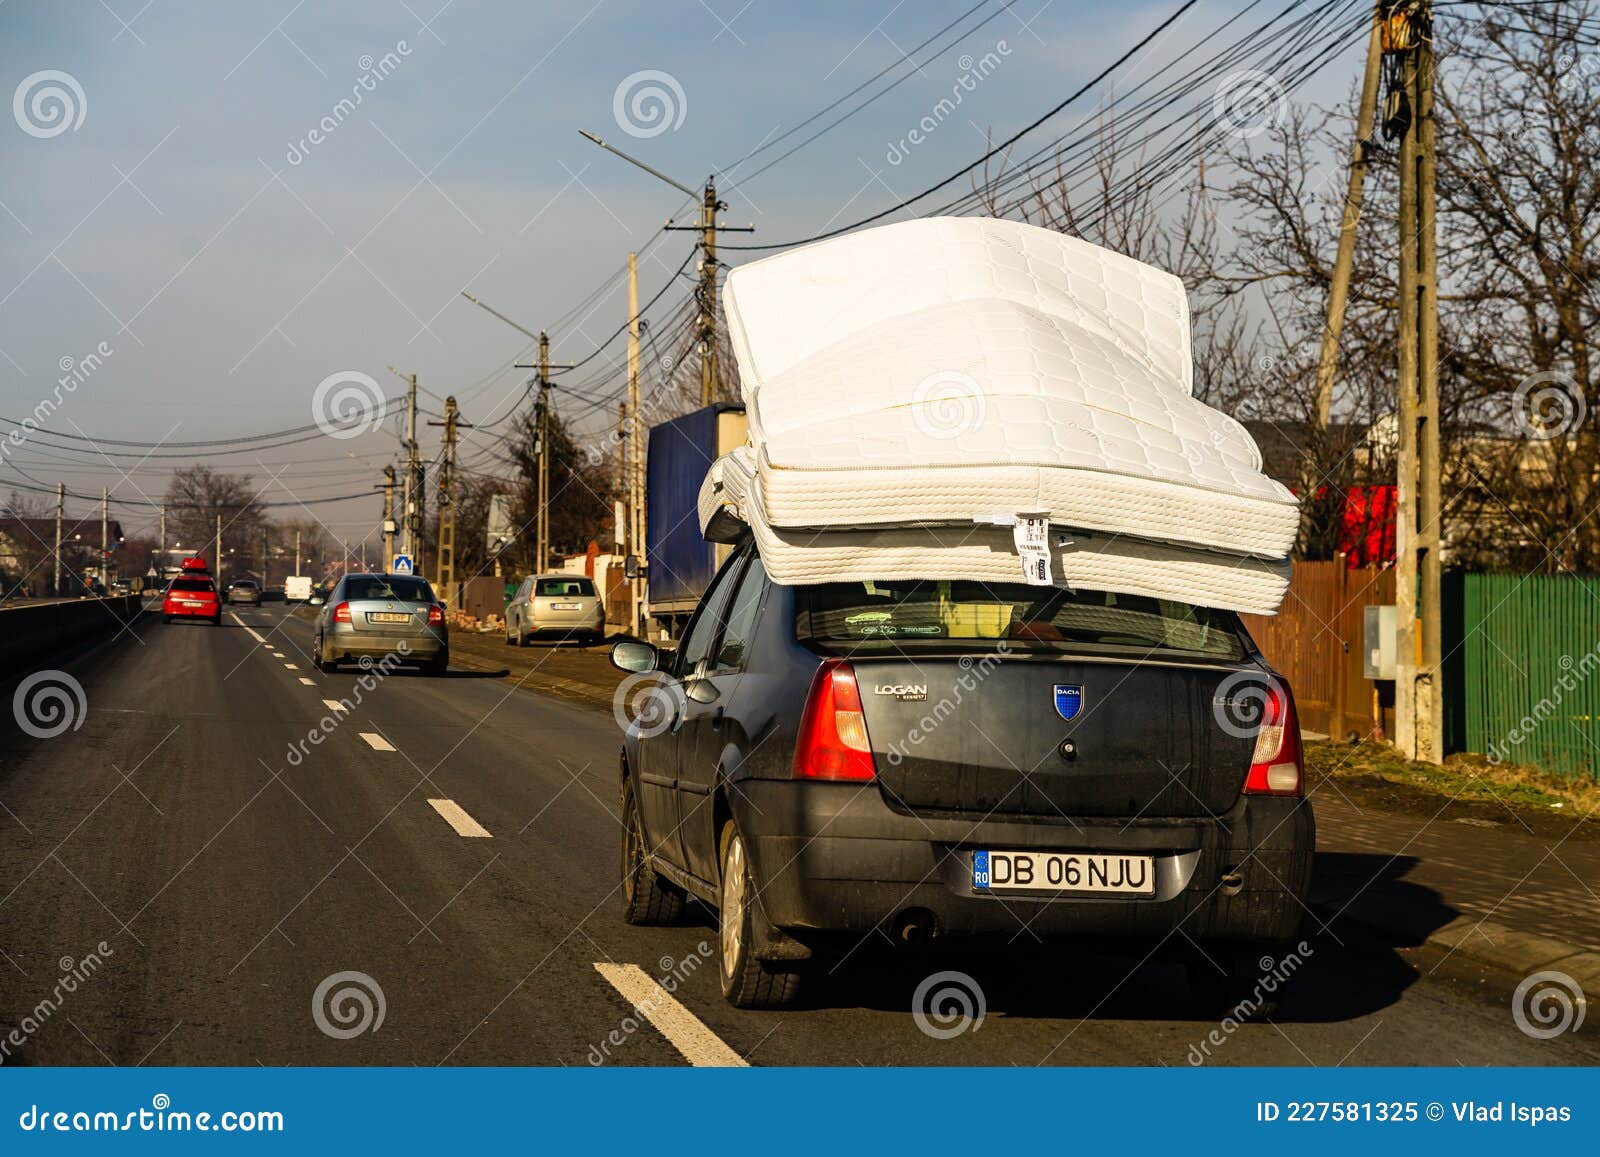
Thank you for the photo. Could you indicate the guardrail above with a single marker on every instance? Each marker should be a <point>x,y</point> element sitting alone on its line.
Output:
<point>29,634</point>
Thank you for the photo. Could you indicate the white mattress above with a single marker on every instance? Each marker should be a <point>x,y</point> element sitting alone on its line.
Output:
<point>934,371</point>
<point>730,505</point>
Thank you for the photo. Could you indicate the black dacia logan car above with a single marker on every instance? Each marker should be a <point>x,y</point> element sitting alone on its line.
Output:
<point>948,760</point>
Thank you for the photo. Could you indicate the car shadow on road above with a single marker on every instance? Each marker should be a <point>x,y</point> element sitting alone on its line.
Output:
<point>1347,970</point>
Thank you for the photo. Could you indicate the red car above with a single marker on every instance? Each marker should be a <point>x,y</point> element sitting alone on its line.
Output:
<point>192,595</point>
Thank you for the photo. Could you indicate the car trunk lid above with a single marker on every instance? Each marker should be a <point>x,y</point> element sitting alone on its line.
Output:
<point>1057,736</point>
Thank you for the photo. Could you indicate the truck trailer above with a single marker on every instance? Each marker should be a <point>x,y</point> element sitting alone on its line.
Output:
<point>680,562</point>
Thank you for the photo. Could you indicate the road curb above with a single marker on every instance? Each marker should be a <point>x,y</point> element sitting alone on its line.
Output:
<point>1516,955</point>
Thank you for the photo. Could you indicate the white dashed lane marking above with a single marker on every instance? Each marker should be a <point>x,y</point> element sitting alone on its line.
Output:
<point>308,682</point>
<point>253,632</point>
<point>683,1029</point>
<point>457,818</point>
<point>291,667</point>
<point>279,655</point>
<point>376,741</point>
<point>333,705</point>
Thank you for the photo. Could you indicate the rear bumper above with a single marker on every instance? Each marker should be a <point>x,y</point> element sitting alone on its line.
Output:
<point>348,644</point>
<point>835,858</point>
<point>179,611</point>
<point>566,628</point>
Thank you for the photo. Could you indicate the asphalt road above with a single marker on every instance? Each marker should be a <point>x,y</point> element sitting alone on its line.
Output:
<point>229,877</point>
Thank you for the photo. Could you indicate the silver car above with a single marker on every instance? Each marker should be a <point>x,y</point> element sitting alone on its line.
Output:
<point>375,615</point>
<point>557,606</point>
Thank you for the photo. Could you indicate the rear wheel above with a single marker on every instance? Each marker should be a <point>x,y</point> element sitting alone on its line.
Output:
<point>746,981</point>
<point>320,659</point>
<point>439,664</point>
<point>647,898</point>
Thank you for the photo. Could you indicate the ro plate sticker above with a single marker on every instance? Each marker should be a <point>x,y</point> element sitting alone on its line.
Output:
<point>1031,533</point>
<point>980,869</point>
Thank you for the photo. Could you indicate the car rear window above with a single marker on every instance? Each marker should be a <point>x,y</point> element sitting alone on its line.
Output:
<point>909,615</point>
<point>394,588</point>
<point>192,584</point>
<point>563,587</point>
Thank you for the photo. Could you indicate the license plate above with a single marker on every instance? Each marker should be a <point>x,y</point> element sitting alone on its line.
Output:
<point>1063,872</point>
<point>566,606</point>
<point>187,603</point>
<point>387,617</point>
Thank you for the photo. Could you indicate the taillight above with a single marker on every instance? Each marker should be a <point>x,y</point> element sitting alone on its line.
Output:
<point>435,615</point>
<point>1275,765</point>
<point>833,731</point>
<point>341,613</point>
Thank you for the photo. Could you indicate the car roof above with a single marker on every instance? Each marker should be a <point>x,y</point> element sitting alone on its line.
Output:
<point>559,574</point>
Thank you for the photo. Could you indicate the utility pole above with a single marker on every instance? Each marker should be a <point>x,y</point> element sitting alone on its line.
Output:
<point>635,451</point>
<point>219,551</point>
<point>161,555</point>
<point>1339,285</point>
<point>446,550</point>
<point>388,519</point>
<point>1419,716</point>
<point>263,558</point>
<point>706,294</point>
<point>105,537</point>
<point>61,504</point>
<point>296,552</point>
<point>541,448</point>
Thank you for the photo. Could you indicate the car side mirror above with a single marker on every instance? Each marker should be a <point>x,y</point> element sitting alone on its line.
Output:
<point>634,657</point>
<point>702,691</point>
<point>315,600</point>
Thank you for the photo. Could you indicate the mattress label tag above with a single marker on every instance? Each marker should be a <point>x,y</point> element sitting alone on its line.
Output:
<point>1031,533</point>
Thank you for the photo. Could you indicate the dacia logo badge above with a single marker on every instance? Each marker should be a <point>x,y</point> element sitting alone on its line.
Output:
<point>1069,699</point>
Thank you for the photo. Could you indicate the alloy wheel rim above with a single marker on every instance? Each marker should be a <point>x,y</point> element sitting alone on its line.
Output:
<point>733,900</point>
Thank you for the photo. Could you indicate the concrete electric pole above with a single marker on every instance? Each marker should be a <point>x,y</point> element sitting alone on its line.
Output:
<point>219,553</point>
<point>706,293</point>
<point>389,526</point>
<point>61,505</point>
<point>105,536</point>
<point>446,549</point>
<point>1339,284</point>
<point>541,448</point>
<point>1419,715</point>
<point>634,486</point>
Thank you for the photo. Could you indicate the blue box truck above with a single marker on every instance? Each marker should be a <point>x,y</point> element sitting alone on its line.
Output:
<point>680,561</point>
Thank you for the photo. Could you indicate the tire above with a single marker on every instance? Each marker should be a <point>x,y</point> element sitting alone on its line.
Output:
<point>167,618</point>
<point>438,666</point>
<point>647,898</point>
<point>746,981</point>
<point>217,621</point>
<point>320,662</point>
<point>524,639</point>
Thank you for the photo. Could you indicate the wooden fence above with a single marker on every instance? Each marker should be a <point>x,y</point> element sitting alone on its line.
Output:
<point>1315,642</point>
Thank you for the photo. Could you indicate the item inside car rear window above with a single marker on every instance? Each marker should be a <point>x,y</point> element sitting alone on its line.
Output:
<point>899,615</point>
<point>396,588</point>
<point>564,587</point>
<point>192,584</point>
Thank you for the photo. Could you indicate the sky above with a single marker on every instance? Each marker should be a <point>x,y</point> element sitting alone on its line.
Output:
<point>206,243</point>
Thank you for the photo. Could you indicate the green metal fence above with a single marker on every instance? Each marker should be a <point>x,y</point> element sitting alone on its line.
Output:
<point>1522,676</point>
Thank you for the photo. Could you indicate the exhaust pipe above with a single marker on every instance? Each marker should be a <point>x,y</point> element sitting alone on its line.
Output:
<point>914,927</point>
